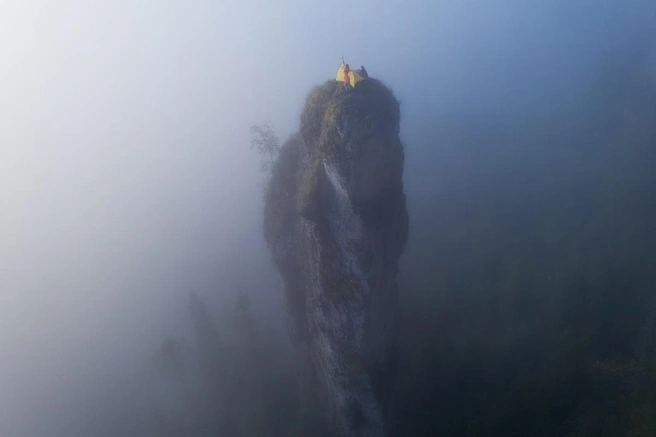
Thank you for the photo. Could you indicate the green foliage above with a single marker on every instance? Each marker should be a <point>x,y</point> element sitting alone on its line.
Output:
<point>280,204</point>
<point>265,140</point>
<point>314,110</point>
<point>369,108</point>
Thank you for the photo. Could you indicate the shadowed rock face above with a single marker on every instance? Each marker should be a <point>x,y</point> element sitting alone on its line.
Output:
<point>336,224</point>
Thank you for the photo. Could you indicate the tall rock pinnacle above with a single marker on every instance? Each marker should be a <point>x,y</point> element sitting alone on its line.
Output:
<point>336,224</point>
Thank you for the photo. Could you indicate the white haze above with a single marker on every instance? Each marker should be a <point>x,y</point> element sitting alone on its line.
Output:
<point>126,178</point>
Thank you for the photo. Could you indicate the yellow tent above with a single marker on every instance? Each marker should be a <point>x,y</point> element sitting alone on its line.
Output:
<point>354,77</point>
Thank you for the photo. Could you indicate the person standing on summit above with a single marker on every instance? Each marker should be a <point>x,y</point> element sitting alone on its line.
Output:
<point>347,78</point>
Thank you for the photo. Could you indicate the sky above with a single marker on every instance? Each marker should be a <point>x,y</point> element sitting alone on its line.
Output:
<point>126,178</point>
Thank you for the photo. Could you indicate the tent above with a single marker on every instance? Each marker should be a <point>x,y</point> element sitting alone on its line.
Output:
<point>354,77</point>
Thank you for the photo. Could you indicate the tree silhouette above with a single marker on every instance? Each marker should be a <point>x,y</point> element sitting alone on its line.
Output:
<point>265,140</point>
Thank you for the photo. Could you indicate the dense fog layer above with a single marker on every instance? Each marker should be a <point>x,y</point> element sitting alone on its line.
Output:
<point>127,180</point>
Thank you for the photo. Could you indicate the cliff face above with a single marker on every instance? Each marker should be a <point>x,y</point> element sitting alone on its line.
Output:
<point>336,224</point>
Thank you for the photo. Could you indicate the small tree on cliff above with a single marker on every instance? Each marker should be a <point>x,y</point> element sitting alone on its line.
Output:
<point>266,141</point>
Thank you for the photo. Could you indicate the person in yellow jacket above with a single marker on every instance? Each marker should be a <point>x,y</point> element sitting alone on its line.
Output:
<point>349,77</point>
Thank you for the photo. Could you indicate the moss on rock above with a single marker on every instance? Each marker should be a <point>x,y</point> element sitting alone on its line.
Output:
<point>308,201</point>
<point>281,192</point>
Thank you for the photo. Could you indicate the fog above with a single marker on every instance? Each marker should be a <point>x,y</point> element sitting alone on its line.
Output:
<point>127,181</point>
